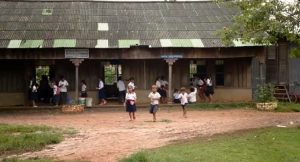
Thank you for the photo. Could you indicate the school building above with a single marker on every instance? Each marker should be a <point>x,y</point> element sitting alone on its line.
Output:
<point>90,39</point>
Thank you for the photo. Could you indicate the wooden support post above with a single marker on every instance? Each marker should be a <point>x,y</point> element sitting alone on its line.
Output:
<point>145,79</point>
<point>76,62</point>
<point>170,62</point>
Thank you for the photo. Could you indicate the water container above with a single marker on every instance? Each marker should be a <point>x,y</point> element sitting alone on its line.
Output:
<point>82,101</point>
<point>89,102</point>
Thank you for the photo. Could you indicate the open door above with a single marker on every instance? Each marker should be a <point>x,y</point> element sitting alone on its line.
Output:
<point>111,74</point>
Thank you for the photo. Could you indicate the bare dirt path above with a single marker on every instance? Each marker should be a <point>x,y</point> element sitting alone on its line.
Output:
<point>109,136</point>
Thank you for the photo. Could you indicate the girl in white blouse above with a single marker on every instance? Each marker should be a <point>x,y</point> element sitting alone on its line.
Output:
<point>130,100</point>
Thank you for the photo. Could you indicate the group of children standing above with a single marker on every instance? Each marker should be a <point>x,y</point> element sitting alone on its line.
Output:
<point>202,86</point>
<point>58,91</point>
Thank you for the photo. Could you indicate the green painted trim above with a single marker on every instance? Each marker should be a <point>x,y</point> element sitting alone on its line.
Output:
<point>14,43</point>
<point>64,43</point>
<point>31,44</point>
<point>128,43</point>
<point>47,12</point>
<point>181,43</point>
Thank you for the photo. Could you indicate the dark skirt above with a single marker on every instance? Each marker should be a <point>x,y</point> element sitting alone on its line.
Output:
<point>130,107</point>
<point>83,94</point>
<point>34,96</point>
<point>177,101</point>
<point>209,90</point>
<point>101,94</point>
<point>162,92</point>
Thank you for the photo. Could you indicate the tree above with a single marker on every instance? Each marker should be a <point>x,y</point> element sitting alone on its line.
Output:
<point>264,22</point>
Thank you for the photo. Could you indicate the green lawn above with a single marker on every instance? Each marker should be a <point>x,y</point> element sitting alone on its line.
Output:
<point>288,107</point>
<point>221,106</point>
<point>282,106</point>
<point>262,145</point>
<point>23,138</point>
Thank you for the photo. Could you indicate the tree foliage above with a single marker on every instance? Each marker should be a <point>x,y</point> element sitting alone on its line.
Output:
<point>263,22</point>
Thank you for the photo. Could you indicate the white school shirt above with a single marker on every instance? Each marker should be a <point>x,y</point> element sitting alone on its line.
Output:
<point>200,82</point>
<point>130,96</point>
<point>158,84</point>
<point>55,88</point>
<point>176,95</point>
<point>34,88</point>
<point>154,98</point>
<point>131,84</point>
<point>83,88</point>
<point>208,82</point>
<point>183,98</point>
<point>100,85</point>
<point>30,83</point>
<point>193,96</point>
<point>164,83</point>
<point>121,85</point>
<point>63,85</point>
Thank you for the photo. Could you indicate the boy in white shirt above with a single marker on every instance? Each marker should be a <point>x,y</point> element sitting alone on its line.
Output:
<point>154,97</point>
<point>122,89</point>
<point>193,95</point>
<point>183,96</point>
<point>176,96</point>
<point>63,84</point>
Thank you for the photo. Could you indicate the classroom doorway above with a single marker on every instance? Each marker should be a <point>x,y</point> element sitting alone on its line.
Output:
<point>111,73</point>
<point>43,75</point>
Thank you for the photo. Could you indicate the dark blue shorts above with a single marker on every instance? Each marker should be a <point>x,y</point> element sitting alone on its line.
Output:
<point>153,109</point>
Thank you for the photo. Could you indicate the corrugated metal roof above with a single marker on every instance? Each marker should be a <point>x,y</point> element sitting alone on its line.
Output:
<point>95,24</point>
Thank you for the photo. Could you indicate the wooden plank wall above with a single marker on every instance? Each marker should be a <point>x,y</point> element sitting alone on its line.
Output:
<point>15,75</point>
<point>238,73</point>
<point>12,76</point>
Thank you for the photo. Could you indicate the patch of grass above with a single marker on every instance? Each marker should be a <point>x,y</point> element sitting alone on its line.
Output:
<point>23,138</point>
<point>218,106</point>
<point>288,107</point>
<point>267,145</point>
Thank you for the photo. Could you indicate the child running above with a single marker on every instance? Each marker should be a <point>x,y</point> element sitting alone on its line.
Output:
<point>183,96</point>
<point>154,97</point>
<point>130,100</point>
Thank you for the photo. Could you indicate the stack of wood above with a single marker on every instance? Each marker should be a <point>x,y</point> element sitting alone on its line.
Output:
<point>72,108</point>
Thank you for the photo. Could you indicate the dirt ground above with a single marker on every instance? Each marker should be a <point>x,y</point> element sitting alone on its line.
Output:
<point>106,136</point>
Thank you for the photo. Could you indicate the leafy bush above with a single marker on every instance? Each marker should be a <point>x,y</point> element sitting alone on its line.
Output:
<point>265,93</point>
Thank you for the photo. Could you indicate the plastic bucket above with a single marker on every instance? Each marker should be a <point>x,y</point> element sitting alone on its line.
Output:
<point>89,102</point>
<point>82,101</point>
